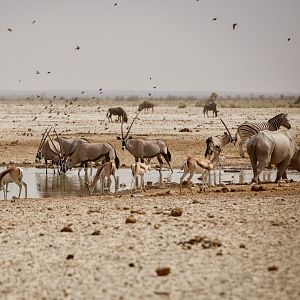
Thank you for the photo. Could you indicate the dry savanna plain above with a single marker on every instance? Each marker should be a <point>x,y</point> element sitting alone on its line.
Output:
<point>224,244</point>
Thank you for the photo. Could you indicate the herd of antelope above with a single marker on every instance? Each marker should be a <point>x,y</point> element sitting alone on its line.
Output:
<point>65,153</point>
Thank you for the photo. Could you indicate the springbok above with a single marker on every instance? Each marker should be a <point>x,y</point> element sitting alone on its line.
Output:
<point>12,174</point>
<point>139,169</point>
<point>141,148</point>
<point>117,111</point>
<point>146,105</point>
<point>87,152</point>
<point>272,148</point>
<point>200,165</point>
<point>106,170</point>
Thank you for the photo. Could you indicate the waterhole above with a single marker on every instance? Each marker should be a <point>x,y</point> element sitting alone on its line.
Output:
<point>41,185</point>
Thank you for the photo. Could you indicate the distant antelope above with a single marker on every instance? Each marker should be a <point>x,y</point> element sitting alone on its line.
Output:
<point>248,129</point>
<point>12,174</point>
<point>106,170</point>
<point>200,165</point>
<point>146,105</point>
<point>210,106</point>
<point>139,169</point>
<point>142,148</point>
<point>117,111</point>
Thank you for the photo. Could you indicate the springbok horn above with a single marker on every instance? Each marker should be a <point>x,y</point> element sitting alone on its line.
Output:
<point>132,124</point>
<point>231,139</point>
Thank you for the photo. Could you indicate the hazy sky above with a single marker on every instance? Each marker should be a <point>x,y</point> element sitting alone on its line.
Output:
<point>175,42</point>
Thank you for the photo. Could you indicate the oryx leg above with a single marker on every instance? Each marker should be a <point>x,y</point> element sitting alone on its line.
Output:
<point>168,162</point>
<point>25,187</point>
<point>160,162</point>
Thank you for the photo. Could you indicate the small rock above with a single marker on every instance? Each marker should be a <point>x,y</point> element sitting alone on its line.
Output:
<point>163,271</point>
<point>215,243</point>
<point>70,256</point>
<point>273,268</point>
<point>67,229</point>
<point>242,245</point>
<point>257,188</point>
<point>195,201</point>
<point>176,212</point>
<point>131,265</point>
<point>130,219</point>
<point>224,189</point>
<point>96,232</point>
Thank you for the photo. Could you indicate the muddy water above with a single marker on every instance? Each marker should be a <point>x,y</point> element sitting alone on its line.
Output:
<point>41,185</point>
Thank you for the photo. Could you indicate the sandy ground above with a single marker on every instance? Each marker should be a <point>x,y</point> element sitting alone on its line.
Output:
<point>231,245</point>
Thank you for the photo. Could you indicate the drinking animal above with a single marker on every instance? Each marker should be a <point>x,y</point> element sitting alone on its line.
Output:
<point>117,111</point>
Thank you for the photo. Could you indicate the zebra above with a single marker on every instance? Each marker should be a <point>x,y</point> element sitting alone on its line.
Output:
<point>248,129</point>
<point>210,106</point>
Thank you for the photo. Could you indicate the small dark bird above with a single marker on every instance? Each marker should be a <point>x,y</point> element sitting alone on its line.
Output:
<point>77,48</point>
<point>54,97</point>
<point>19,80</point>
<point>150,78</point>
<point>149,94</point>
<point>37,72</point>
<point>33,22</point>
<point>234,26</point>
<point>116,4</point>
<point>154,87</point>
<point>82,92</point>
<point>9,29</point>
<point>100,90</point>
<point>34,118</point>
<point>48,72</point>
<point>49,117</point>
<point>289,39</point>
<point>38,96</point>
<point>214,19</point>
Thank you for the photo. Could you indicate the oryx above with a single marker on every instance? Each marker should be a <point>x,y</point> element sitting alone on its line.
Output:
<point>49,150</point>
<point>272,148</point>
<point>87,152</point>
<point>218,141</point>
<point>142,148</point>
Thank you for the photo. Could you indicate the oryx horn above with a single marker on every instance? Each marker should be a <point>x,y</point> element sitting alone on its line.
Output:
<point>131,124</point>
<point>231,139</point>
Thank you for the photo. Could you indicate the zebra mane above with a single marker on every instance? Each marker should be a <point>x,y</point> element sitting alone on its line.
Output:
<point>277,117</point>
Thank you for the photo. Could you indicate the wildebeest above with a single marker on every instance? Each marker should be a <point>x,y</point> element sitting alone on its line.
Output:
<point>210,106</point>
<point>146,105</point>
<point>248,129</point>
<point>87,152</point>
<point>271,148</point>
<point>12,174</point>
<point>117,111</point>
<point>142,148</point>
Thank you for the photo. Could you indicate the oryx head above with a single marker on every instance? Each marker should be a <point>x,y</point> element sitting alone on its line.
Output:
<point>125,137</point>
<point>39,154</point>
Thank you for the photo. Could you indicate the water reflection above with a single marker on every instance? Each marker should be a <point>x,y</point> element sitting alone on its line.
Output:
<point>42,185</point>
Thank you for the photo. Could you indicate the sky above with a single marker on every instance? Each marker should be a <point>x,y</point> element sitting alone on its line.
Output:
<point>176,43</point>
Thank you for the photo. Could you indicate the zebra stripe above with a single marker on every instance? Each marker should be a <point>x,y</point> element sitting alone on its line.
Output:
<point>247,129</point>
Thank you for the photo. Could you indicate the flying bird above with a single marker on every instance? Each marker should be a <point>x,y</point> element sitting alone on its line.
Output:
<point>116,4</point>
<point>77,48</point>
<point>48,72</point>
<point>38,96</point>
<point>289,39</point>
<point>34,118</point>
<point>214,19</point>
<point>100,90</point>
<point>149,94</point>
<point>154,87</point>
<point>82,92</point>
<point>33,21</point>
<point>234,25</point>
<point>19,80</point>
<point>9,29</point>
<point>37,72</point>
